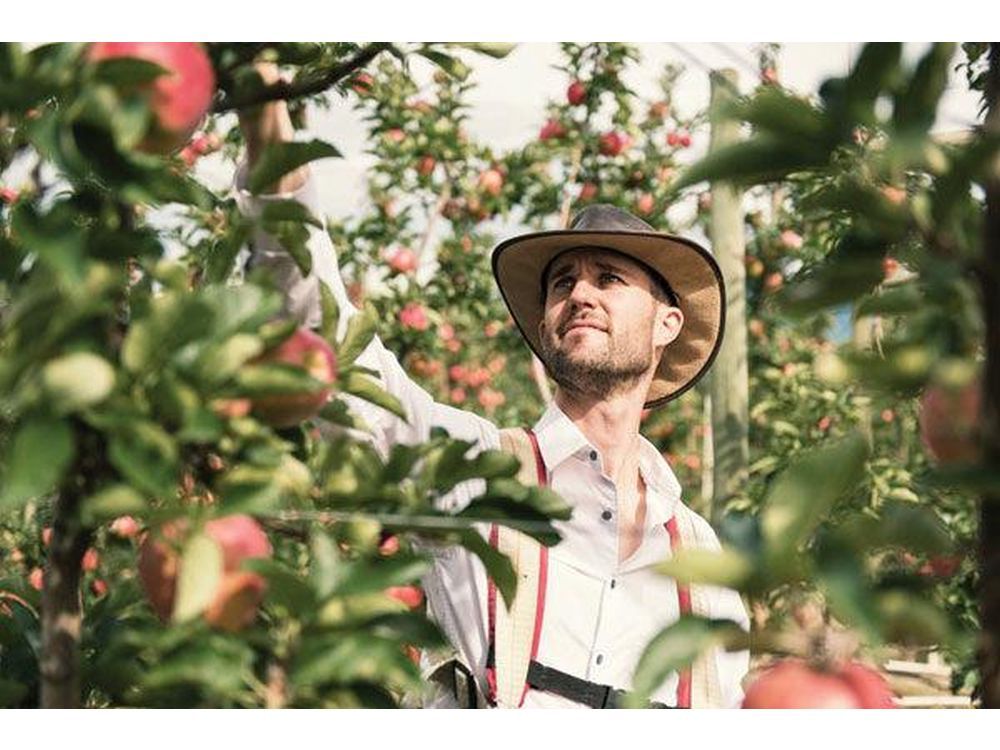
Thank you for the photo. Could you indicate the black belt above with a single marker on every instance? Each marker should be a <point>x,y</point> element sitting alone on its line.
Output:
<point>590,694</point>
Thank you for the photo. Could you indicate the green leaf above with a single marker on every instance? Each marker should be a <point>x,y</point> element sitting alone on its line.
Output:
<point>911,619</point>
<point>498,566</point>
<point>873,73</point>
<point>676,647</point>
<point>147,456</point>
<point>785,116</point>
<point>331,313</point>
<point>726,568</point>
<point>803,494</point>
<point>496,50</point>
<point>324,564</point>
<point>278,159</point>
<point>199,577</point>
<point>77,380</point>
<point>127,71</point>
<point>362,576</point>
<point>759,160</point>
<point>337,412</point>
<point>111,502</point>
<point>36,457</point>
<point>275,379</point>
<point>450,65</point>
<point>897,299</point>
<point>915,108</point>
<point>361,329</point>
<point>367,389</point>
<point>284,587</point>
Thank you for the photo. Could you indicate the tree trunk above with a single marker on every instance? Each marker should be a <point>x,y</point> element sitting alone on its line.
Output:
<point>62,615</point>
<point>730,379</point>
<point>989,524</point>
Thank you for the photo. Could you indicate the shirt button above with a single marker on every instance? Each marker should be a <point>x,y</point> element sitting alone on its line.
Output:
<point>600,658</point>
<point>593,455</point>
<point>606,515</point>
<point>613,582</point>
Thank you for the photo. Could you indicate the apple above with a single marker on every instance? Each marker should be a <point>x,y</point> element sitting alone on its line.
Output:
<point>612,143</point>
<point>588,191</point>
<point>491,181</point>
<point>949,422</point>
<point>457,395</point>
<point>7,195</point>
<point>125,527</point>
<point>179,99</point>
<point>414,316</point>
<point>790,239</point>
<point>773,281</point>
<point>645,204</point>
<point>552,129</point>
<point>90,560</point>
<point>576,93</point>
<point>239,593</point>
<point>458,373</point>
<point>36,579</point>
<point>890,267</point>
<point>426,165</point>
<point>99,587</point>
<point>411,596</point>
<point>395,135</point>
<point>403,260</point>
<point>310,352</point>
<point>769,76</point>
<point>659,110</point>
<point>673,139</point>
<point>490,399</point>
<point>794,683</point>
<point>362,83</point>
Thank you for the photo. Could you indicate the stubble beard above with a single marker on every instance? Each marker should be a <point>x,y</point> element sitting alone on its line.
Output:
<point>619,367</point>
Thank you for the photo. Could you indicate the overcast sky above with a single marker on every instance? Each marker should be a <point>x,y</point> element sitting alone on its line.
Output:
<point>509,101</point>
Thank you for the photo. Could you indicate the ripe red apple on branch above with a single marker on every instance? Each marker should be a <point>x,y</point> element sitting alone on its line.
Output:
<point>312,353</point>
<point>239,592</point>
<point>949,422</point>
<point>179,99</point>
<point>794,683</point>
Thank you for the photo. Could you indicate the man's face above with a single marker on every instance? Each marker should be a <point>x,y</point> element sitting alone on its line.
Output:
<point>603,328</point>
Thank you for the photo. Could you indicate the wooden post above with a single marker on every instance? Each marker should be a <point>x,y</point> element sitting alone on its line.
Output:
<point>730,379</point>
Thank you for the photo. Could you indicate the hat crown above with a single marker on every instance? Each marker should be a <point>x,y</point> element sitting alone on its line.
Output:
<point>604,217</point>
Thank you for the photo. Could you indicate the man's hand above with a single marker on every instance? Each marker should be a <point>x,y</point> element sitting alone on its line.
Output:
<point>270,123</point>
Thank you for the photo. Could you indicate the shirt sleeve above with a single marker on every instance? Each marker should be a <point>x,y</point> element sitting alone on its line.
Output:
<point>302,302</point>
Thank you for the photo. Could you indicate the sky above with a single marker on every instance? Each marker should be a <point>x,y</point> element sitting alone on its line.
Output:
<point>509,101</point>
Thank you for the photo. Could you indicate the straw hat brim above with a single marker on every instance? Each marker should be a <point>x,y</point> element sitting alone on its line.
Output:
<point>690,270</point>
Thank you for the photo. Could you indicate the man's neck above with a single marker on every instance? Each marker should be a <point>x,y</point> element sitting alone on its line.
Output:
<point>611,425</point>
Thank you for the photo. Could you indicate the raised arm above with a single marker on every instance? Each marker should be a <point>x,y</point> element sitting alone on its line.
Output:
<point>269,124</point>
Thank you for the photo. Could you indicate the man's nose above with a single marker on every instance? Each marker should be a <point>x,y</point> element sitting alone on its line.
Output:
<point>583,292</point>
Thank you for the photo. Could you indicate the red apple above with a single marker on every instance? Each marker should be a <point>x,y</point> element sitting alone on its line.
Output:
<point>645,203</point>
<point>588,191</point>
<point>411,596</point>
<point>576,93</point>
<point>612,143</point>
<point>125,527</point>
<point>90,560</point>
<point>414,316</point>
<point>769,76</point>
<point>793,683</point>
<point>949,422</point>
<point>312,353</point>
<point>426,165</point>
<point>491,181</point>
<point>552,129</point>
<point>239,593</point>
<point>180,98</point>
<point>7,195</point>
<point>362,83</point>
<point>403,260</point>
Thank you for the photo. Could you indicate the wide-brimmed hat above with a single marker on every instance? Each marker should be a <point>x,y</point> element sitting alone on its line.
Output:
<point>689,270</point>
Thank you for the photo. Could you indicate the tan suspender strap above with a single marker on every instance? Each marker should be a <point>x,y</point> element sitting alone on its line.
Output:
<point>705,685</point>
<point>514,633</point>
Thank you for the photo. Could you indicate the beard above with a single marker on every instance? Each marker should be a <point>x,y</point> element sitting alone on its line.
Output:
<point>600,371</point>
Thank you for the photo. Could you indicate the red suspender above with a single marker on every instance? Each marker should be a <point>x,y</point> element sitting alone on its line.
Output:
<point>491,595</point>
<point>684,602</point>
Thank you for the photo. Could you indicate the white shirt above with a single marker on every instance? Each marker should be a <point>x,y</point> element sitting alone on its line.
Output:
<point>599,613</point>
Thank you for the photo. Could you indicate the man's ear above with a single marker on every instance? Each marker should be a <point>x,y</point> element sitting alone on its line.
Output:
<point>669,321</point>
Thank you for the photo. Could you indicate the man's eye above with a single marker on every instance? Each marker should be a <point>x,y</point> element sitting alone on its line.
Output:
<point>608,276</point>
<point>561,283</point>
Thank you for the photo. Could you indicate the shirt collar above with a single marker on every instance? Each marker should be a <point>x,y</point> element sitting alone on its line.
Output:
<point>559,438</point>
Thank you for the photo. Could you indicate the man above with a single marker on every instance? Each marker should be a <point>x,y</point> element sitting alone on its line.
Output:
<point>624,319</point>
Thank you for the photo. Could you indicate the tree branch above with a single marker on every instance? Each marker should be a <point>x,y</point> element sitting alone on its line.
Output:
<point>307,87</point>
